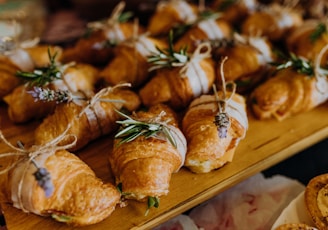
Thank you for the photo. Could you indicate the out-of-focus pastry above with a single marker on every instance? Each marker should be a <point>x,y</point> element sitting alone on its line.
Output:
<point>88,118</point>
<point>171,13</point>
<point>248,61</point>
<point>297,87</point>
<point>97,46</point>
<point>182,78</point>
<point>130,63</point>
<point>308,39</point>
<point>209,28</point>
<point>23,106</point>
<point>273,22</point>
<point>147,149</point>
<point>47,180</point>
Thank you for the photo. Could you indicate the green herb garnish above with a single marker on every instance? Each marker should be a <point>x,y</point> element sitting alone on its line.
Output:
<point>299,64</point>
<point>61,218</point>
<point>320,29</point>
<point>131,129</point>
<point>42,76</point>
<point>168,58</point>
<point>152,202</point>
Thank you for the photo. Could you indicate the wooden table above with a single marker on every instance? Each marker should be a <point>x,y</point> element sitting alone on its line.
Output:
<point>266,143</point>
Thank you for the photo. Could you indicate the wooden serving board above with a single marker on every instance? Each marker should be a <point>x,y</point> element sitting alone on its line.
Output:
<point>266,143</point>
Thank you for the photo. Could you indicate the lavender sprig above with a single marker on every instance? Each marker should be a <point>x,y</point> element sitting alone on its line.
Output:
<point>42,176</point>
<point>46,94</point>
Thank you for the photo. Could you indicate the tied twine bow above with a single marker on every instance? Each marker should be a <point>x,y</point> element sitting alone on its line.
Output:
<point>222,118</point>
<point>41,175</point>
<point>202,51</point>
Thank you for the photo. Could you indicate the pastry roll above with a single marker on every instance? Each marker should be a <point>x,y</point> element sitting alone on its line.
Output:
<point>97,47</point>
<point>273,22</point>
<point>130,63</point>
<point>87,121</point>
<point>204,30</point>
<point>207,148</point>
<point>308,40</point>
<point>169,14</point>
<point>50,181</point>
<point>23,106</point>
<point>177,86</point>
<point>248,61</point>
<point>14,58</point>
<point>143,160</point>
<point>288,93</point>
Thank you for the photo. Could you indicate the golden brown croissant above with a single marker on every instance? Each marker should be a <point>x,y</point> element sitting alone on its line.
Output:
<point>50,181</point>
<point>87,122</point>
<point>98,47</point>
<point>143,166</point>
<point>208,149</point>
<point>178,86</point>
<point>247,61</point>
<point>130,63</point>
<point>22,59</point>
<point>273,22</point>
<point>288,93</point>
<point>308,40</point>
<point>204,30</point>
<point>169,14</point>
<point>23,106</point>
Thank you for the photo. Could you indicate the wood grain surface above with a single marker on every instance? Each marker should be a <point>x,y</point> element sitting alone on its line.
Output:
<point>266,144</point>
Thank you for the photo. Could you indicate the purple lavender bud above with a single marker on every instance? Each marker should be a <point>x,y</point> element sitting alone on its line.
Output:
<point>43,178</point>
<point>222,121</point>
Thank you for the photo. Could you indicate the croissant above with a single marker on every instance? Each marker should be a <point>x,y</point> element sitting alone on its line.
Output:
<point>209,29</point>
<point>207,150</point>
<point>130,64</point>
<point>98,47</point>
<point>273,22</point>
<point>234,11</point>
<point>248,62</point>
<point>169,14</point>
<point>178,86</point>
<point>144,165</point>
<point>22,59</point>
<point>23,107</point>
<point>87,122</point>
<point>307,41</point>
<point>288,93</point>
<point>72,194</point>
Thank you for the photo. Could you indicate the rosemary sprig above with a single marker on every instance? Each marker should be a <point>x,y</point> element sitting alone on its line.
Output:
<point>168,58</point>
<point>131,129</point>
<point>42,76</point>
<point>224,5</point>
<point>153,201</point>
<point>320,29</point>
<point>299,64</point>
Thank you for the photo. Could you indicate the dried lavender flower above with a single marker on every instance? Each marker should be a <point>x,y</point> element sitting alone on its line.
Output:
<point>45,94</point>
<point>43,178</point>
<point>222,121</point>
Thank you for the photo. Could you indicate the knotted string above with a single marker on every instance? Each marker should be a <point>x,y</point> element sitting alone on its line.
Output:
<point>222,118</point>
<point>48,149</point>
<point>198,55</point>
